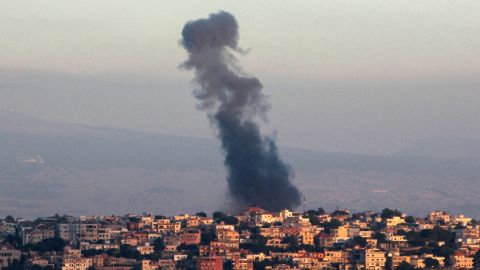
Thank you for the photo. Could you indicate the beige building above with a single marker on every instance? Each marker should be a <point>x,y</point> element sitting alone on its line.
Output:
<point>373,259</point>
<point>365,233</point>
<point>340,234</point>
<point>40,233</point>
<point>272,232</point>
<point>440,260</point>
<point>396,238</point>
<point>164,225</point>
<point>68,231</point>
<point>306,238</point>
<point>149,265</point>
<point>419,261</point>
<point>460,261</point>
<point>228,235</point>
<point>89,232</point>
<point>7,228</point>
<point>191,237</point>
<point>147,249</point>
<point>267,217</point>
<point>76,263</point>
<point>224,227</point>
<point>243,264</point>
<point>437,216</point>
<point>105,234</point>
<point>8,255</point>
<point>276,242</point>
<point>468,236</point>
<point>73,260</point>
<point>394,221</point>
<point>461,219</point>
<point>398,259</point>
<point>336,256</point>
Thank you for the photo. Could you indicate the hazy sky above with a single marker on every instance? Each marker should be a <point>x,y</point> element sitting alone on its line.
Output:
<point>351,76</point>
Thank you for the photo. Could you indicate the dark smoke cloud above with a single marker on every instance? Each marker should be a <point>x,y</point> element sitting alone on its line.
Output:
<point>256,174</point>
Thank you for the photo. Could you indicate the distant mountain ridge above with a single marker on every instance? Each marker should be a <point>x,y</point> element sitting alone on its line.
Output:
<point>89,169</point>
<point>445,148</point>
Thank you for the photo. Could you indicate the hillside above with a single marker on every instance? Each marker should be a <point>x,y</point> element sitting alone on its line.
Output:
<point>48,167</point>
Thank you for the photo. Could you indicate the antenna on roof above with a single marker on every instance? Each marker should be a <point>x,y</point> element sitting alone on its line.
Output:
<point>304,203</point>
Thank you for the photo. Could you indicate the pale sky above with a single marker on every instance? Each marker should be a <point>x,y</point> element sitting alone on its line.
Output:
<point>350,76</point>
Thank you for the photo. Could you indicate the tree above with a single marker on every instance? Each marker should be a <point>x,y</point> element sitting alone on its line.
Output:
<point>136,219</point>
<point>333,224</point>
<point>389,213</point>
<point>227,219</point>
<point>261,265</point>
<point>153,256</point>
<point>189,249</point>
<point>201,214</point>
<point>319,211</point>
<point>313,216</point>
<point>360,241</point>
<point>292,243</point>
<point>36,267</point>
<point>257,245</point>
<point>476,259</point>
<point>228,265</point>
<point>15,265</point>
<point>419,239</point>
<point>340,213</point>
<point>318,244</point>
<point>378,226</point>
<point>13,239</point>
<point>426,234</point>
<point>314,220</point>
<point>9,219</point>
<point>381,238</point>
<point>207,236</point>
<point>307,248</point>
<point>443,235</point>
<point>415,239</point>
<point>218,215</point>
<point>127,251</point>
<point>410,220</point>
<point>230,220</point>
<point>92,252</point>
<point>431,263</point>
<point>159,244</point>
<point>50,244</point>
<point>443,251</point>
<point>405,266</point>
<point>187,264</point>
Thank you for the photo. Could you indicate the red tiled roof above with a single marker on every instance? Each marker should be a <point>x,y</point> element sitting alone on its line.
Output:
<point>255,209</point>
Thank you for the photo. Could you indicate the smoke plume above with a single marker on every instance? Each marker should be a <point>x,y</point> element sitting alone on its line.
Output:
<point>234,101</point>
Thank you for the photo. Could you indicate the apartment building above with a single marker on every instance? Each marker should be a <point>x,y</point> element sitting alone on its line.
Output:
<point>8,255</point>
<point>373,259</point>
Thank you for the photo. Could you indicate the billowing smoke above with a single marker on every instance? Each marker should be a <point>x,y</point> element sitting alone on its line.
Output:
<point>234,101</point>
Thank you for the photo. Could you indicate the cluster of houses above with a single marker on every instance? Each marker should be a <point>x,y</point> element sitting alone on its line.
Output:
<point>253,239</point>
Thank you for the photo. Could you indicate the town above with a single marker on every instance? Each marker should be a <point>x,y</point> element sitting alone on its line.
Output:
<point>252,239</point>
